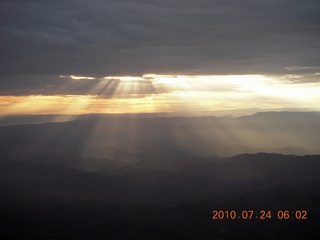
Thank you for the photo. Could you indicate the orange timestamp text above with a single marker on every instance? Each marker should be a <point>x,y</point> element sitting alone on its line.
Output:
<point>260,215</point>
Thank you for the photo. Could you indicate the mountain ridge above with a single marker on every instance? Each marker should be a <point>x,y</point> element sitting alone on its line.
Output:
<point>199,136</point>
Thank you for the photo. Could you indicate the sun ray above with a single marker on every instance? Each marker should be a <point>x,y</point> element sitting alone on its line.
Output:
<point>167,93</point>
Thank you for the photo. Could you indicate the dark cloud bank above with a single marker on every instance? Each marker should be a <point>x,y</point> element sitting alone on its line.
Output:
<point>103,38</point>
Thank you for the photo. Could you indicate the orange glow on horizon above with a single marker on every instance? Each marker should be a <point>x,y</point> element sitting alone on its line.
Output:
<point>152,93</point>
<point>81,104</point>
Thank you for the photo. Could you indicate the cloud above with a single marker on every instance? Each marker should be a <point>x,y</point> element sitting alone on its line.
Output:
<point>145,85</point>
<point>167,93</point>
<point>105,87</point>
<point>100,38</point>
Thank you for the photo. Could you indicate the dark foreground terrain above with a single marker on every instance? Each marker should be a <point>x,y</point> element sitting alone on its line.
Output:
<point>44,201</point>
<point>50,191</point>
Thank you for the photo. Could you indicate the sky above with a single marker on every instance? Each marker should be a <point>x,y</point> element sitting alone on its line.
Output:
<point>132,56</point>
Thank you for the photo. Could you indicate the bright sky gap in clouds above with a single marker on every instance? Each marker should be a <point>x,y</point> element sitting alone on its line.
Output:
<point>152,93</point>
<point>204,55</point>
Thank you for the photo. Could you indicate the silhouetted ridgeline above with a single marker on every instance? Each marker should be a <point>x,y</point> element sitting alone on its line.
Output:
<point>173,200</point>
<point>153,178</point>
<point>96,136</point>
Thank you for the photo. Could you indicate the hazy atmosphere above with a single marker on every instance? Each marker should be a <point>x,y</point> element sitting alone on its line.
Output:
<point>80,57</point>
<point>167,119</point>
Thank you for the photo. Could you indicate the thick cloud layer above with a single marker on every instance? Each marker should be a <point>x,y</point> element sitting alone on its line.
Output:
<point>42,38</point>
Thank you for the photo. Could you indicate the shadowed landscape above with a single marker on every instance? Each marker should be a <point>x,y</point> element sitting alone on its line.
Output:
<point>148,119</point>
<point>162,177</point>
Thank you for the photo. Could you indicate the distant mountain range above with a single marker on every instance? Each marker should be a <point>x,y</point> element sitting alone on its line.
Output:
<point>49,196</point>
<point>160,178</point>
<point>124,138</point>
<point>70,176</point>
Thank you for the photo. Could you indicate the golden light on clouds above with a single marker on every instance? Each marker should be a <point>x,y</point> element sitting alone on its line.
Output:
<point>124,78</point>
<point>43,104</point>
<point>77,77</point>
<point>171,93</point>
<point>81,104</point>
